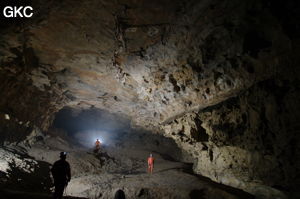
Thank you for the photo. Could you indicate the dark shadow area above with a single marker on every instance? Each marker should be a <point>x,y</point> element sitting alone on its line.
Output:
<point>231,190</point>
<point>9,194</point>
<point>25,185</point>
<point>197,194</point>
<point>38,180</point>
<point>120,194</point>
<point>254,42</point>
<point>144,192</point>
<point>166,156</point>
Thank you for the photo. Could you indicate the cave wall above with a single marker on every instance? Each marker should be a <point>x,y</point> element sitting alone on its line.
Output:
<point>162,63</point>
<point>248,141</point>
<point>27,104</point>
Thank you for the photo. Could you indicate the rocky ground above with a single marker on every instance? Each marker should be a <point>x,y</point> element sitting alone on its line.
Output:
<point>25,173</point>
<point>221,78</point>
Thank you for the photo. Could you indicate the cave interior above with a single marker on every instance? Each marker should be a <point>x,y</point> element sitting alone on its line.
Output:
<point>210,88</point>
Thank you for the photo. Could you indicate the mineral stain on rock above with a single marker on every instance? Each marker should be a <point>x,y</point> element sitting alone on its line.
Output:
<point>210,83</point>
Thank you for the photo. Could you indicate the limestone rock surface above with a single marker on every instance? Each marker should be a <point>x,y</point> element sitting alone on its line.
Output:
<point>219,77</point>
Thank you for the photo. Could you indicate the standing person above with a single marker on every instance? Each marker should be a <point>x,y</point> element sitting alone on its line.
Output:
<point>61,173</point>
<point>97,144</point>
<point>150,163</point>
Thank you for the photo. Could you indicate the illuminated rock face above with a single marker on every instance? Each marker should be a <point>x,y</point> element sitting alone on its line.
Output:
<point>159,63</point>
<point>248,141</point>
<point>149,60</point>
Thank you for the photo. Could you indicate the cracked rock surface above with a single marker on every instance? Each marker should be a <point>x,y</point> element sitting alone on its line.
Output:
<point>242,142</point>
<point>219,77</point>
<point>149,60</point>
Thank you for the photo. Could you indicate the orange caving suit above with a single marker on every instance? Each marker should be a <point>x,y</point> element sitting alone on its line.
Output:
<point>97,143</point>
<point>150,164</point>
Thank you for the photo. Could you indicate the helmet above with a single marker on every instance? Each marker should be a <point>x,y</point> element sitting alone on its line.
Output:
<point>63,154</point>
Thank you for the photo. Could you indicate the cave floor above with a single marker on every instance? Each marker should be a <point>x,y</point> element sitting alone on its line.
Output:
<point>99,175</point>
<point>12,194</point>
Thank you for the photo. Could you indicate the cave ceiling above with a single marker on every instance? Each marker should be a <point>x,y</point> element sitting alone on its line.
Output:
<point>150,60</point>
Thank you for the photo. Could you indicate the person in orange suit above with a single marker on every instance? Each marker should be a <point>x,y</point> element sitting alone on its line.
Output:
<point>150,164</point>
<point>97,144</point>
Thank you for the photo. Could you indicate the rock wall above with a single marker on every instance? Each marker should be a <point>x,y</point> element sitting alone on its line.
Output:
<point>159,63</point>
<point>26,103</point>
<point>249,141</point>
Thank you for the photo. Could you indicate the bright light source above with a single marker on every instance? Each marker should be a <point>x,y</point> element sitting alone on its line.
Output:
<point>88,138</point>
<point>6,116</point>
<point>101,141</point>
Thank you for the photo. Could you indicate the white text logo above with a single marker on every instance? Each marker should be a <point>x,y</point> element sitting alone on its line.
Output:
<point>13,11</point>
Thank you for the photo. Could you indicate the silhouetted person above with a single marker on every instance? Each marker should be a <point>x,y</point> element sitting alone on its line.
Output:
<point>61,173</point>
<point>119,194</point>
<point>97,145</point>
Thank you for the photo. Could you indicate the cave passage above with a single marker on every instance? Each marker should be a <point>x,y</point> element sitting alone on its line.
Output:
<point>85,126</point>
<point>210,88</point>
<point>120,163</point>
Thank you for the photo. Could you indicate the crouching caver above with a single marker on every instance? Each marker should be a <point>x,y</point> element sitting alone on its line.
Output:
<point>61,173</point>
